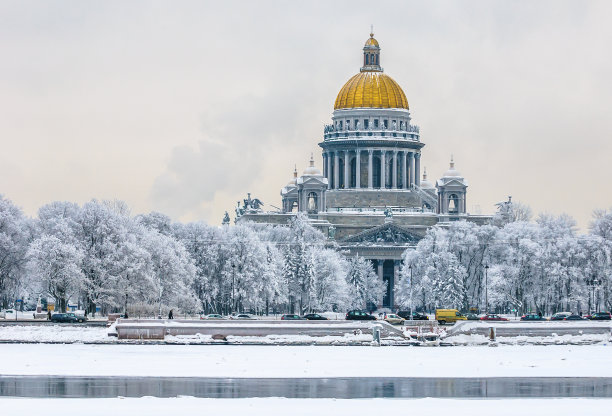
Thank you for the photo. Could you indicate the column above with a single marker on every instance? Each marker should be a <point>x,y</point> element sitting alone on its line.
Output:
<point>417,168</point>
<point>383,184</point>
<point>394,179</point>
<point>336,171</point>
<point>380,269</point>
<point>411,163</point>
<point>404,173</point>
<point>329,170</point>
<point>347,170</point>
<point>370,170</point>
<point>358,169</point>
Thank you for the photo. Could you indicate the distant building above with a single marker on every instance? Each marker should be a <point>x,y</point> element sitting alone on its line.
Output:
<point>369,196</point>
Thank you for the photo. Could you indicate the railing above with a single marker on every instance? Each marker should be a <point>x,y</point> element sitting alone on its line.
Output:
<point>409,132</point>
<point>431,200</point>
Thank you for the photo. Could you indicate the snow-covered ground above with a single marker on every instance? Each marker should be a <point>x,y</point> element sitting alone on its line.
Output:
<point>304,361</point>
<point>308,407</point>
<point>54,333</point>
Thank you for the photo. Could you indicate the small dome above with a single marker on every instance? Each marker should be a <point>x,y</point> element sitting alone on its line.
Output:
<point>311,170</point>
<point>293,181</point>
<point>371,41</point>
<point>452,172</point>
<point>425,184</point>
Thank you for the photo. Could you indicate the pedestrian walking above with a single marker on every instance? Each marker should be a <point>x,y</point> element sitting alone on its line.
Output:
<point>170,315</point>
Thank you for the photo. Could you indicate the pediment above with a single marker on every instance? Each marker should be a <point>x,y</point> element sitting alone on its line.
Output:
<point>312,180</point>
<point>386,234</point>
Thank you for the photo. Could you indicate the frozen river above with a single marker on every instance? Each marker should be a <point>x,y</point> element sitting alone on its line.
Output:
<point>338,388</point>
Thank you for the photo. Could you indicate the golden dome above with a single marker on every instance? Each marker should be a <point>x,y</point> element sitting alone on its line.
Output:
<point>371,41</point>
<point>371,89</point>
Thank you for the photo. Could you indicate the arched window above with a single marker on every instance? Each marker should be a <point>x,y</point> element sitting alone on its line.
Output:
<point>453,204</point>
<point>341,174</point>
<point>367,59</point>
<point>312,202</point>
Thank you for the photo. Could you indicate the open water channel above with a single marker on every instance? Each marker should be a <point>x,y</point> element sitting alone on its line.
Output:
<point>341,388</point>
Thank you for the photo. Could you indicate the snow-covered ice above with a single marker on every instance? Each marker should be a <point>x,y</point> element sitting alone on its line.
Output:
<point>304,361</point>
<point>308,407</point>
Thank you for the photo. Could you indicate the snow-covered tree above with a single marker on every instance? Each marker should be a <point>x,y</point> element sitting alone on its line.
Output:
<point>14,238</point>
<point>364,286</point>
<point>55,266</point>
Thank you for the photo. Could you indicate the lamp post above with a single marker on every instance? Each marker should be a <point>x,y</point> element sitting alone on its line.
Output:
<point>592,283</point>
<point>411,317</point>
<point>487,288</point>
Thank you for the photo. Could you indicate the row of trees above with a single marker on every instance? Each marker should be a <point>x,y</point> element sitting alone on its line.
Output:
<point>540,266</point>
<point>98,255</point>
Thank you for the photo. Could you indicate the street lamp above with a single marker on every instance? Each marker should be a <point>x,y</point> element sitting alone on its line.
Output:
<point>592,283</point>
<point>487,288</point>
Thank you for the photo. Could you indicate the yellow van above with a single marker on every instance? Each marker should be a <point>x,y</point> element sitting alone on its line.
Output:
<point>449,316</point>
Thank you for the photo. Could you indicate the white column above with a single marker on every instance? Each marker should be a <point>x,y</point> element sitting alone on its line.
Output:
<point>347,170</point>
<point>411,163</point>
<point>358,169</point>
<point>394,171</point>
<point>336,171</point>
<point>370,170</point>
<point>329,168</point>
<point>417,168</point>
<point>383,169</point>
<point>404,173</point>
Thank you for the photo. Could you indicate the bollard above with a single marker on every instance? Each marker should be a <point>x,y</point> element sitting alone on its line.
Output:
<point>492,340</point>
<point>376,334</point>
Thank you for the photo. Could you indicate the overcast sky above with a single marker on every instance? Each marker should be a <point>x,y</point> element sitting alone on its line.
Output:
<point>183,107</point>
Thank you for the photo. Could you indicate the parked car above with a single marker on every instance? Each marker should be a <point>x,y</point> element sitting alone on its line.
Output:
<point>492,317</point>
<point>357,315</point>
<point>472,316</point>
<point>532,317</point>
<point>213,316</point>
<point>449,316</point>
<point>67,317</point>
<point>560,316</point>
<point>394,319</point>
<point>416,316</point>
<point>574,317</point>
<point>600,316</point>
<point>314,317</point>
<point>8,314</point>
<point>291,317</point>
<point>243,316</point>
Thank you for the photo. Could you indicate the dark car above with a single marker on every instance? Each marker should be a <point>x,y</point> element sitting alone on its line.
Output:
<point>492,317</point>
<point>472,316</point>
<point>359,316</point>
<point>416,316</point>
<point>600,316</point>
<point>532,317</point>
<point>291,317</point>
<point>314,317</point>
<point>573,317</point>
<point>67,317</point>
<point>560,316</point>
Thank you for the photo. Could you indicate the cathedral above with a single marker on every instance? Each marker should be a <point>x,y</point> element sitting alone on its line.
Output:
<point>370,195</point>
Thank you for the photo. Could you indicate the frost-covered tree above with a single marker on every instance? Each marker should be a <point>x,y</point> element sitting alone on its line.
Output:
<point>364,286</point>
<point>55,267</point>
<point>14,238</point>
<point>330,284</point>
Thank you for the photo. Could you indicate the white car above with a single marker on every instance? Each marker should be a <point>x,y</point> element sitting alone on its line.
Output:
<point>8,314</point>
